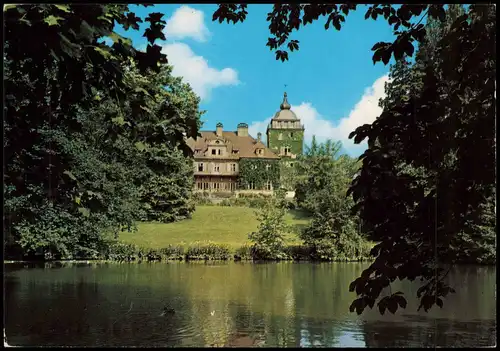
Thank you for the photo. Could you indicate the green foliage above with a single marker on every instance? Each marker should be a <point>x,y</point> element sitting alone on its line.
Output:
<point>166,195</point>
<point>288,174</point>
<point>286,18</point>
<point>300,252</point>
<point>269,238</point>
<point>323,181</point>
<point>427,183</point>
<point>86,127</point>
<point>229,199</point>
<point>122,252</point>
<point>319,171</point>
<point>244,252</point>
<point>209,250</point>
<point>173,251</point>
<point>258,172</point>
<point>118,251</point>
<point>292,138</point>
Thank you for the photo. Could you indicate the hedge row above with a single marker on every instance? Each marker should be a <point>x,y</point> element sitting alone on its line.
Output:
<point>214,251</point>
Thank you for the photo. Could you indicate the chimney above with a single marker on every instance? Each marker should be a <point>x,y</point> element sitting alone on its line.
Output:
<point>259,137</point>
<point>218,129</point>
<point>242,129</point>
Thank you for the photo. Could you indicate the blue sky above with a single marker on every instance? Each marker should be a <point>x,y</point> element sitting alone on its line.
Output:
<point>332,83</point>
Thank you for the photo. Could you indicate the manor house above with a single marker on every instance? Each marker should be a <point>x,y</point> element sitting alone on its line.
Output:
<point>219,155</point>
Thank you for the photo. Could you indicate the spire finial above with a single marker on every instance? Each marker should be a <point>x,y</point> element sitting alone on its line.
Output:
<point>285,105</point>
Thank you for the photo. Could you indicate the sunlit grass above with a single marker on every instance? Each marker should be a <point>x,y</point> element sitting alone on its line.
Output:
<point>218,224</point>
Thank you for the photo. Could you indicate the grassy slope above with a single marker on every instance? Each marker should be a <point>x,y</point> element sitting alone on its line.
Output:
<point>219,224</point>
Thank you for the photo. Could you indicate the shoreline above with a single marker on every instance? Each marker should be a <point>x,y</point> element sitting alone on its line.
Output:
<point>192,260</point>
<point>93,261</point>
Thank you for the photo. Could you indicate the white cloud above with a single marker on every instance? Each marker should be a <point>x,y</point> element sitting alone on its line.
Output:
<point>196,71</point>
<point>365,111</point>
<point>187,22</point>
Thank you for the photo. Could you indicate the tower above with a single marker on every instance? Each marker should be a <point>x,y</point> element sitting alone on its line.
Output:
<point>285,133</point>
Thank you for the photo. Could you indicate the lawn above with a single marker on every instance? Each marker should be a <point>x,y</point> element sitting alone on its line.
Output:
<point>219,224</point>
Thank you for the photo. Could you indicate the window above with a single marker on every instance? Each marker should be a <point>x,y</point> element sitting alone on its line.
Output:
<point>216,168</point>
<point>218,152</point>
<point>291,135</point>
<point>200,186</point>
<point>287,151</point>
<point>216,185</point>
<point>259,151</point>
<point>280,136</point>
<point>251,186</point>
<point>205,186</point>
<point>269,185</point>
<point>233,167</point>
<point>268,167</point>
<point>213,151</point>
<point>200,167</point>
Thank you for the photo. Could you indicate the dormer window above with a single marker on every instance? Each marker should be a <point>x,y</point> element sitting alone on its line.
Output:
<point>260,152</point>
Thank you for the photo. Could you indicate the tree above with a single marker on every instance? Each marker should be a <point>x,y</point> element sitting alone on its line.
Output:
<point>314,170</point>
<point>428,178</point>
<point>269,239</point>
<point>74,122</point>
<point>167,175</point>
<point>432,149</point>
<point>324,178</point>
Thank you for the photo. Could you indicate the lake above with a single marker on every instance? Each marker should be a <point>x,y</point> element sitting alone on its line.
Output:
<point>233,304</point>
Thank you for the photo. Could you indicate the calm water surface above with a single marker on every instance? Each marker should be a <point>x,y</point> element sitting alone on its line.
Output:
<point>233,304</point>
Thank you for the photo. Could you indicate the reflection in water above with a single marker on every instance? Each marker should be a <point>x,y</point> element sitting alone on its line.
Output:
<point>233,304</point>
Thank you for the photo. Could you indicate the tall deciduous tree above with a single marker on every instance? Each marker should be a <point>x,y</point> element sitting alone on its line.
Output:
<point>428,179</point>
<point>323,180</point>
<point>74,117</point>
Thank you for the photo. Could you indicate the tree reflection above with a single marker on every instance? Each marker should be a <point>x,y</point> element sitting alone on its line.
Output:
<point>242,305</point>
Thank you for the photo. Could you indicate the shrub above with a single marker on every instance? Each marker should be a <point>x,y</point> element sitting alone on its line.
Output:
<point>204,201</point>
<point>254,195</point>
<point>240,202</point>
<point>269,238</point>
<point>290,204</point>
<point>119,251</point>
<point>256,202</point>
<point>300,252</point>
<point>223,195</point>
<point>172,251</point>
<point>244,252</point>
<point>208,250</point>
<point>226,202</point>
